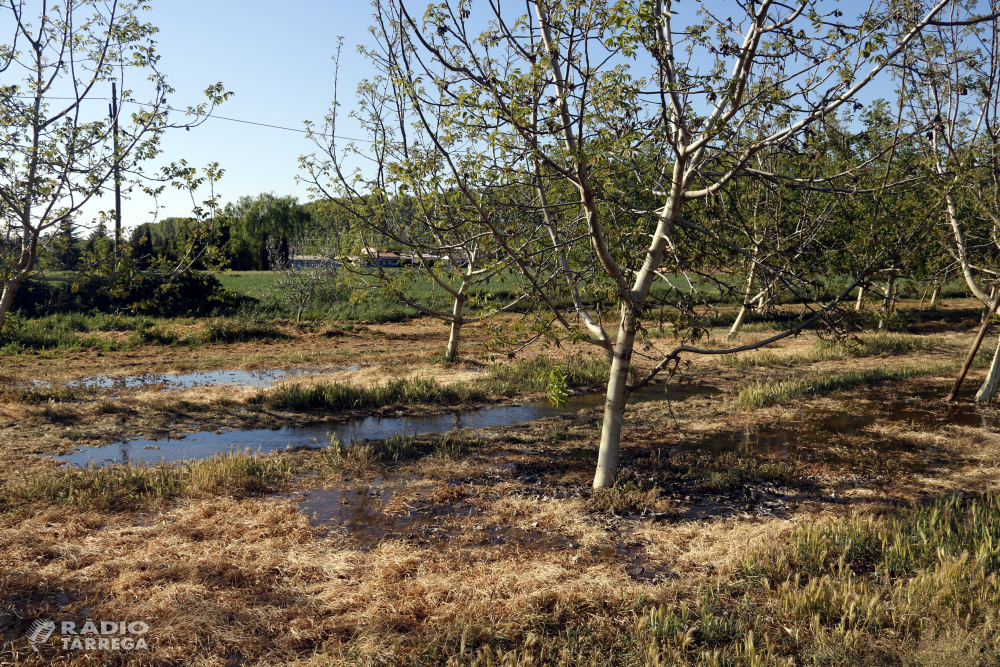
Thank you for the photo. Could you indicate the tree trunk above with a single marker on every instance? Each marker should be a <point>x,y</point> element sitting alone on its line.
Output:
<point>883,321</point>
<point>614,404</point>
<point>738,324</point>
<point>861,299</point>
<point>934,297</point>
<point>597,334</point>
<point>988,391</point>
<point>963,260</point>
<point>7,300</point>
<point>985,315</point>
<point>451,354</point>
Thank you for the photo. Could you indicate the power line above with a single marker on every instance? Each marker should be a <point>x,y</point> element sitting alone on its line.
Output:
<point>233,120</point>
<point>279,127</point>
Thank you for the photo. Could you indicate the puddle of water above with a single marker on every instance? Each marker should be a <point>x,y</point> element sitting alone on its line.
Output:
<point>362,512</point>
<point>204,444</point>
<point>582,454</point>
<point>256,378</point>
<point>707,509</point>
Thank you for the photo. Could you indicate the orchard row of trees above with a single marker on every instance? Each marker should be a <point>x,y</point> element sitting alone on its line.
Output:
<point>592,152</point>
<point>599,148</point>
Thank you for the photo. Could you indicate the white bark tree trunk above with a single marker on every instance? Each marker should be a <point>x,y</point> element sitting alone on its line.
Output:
<point>934,296</point>
<point>7,300</point>
<point>451,354</point>
<point>988,391</point>
<point>614,404</point>
<point>963,256</point>
<point>861,299</point>
<point>738,324</point>
<point>887,302</point>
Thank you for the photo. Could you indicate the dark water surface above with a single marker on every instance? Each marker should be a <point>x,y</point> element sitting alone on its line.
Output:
<point>203,444</point>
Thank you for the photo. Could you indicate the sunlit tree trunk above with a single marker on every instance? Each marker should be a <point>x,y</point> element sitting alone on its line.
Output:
<point>7,300</point>
<point>887,301</point>
<point>451,354</point>
<point>614,405</point>
<point>738,324</point>
<point>988,391</point>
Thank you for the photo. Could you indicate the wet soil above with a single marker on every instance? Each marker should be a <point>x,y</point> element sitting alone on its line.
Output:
<point>501,523</point>
<point>687,459</point>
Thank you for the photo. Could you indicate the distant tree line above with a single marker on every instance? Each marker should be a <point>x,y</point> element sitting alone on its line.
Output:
<point>242,233</point>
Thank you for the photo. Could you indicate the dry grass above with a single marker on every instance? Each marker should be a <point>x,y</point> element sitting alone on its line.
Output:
<point>225,575</point>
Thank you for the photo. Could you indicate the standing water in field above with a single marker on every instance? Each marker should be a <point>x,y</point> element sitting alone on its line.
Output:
<point>203,444</point>
<point>257,378</point>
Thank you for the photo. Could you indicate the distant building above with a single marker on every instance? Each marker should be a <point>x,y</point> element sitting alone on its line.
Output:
<point>461,260</point>
<point>308,261</point>
<point>387,260</point>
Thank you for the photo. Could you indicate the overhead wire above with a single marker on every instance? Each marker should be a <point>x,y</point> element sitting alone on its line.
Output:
<point>233,120</point>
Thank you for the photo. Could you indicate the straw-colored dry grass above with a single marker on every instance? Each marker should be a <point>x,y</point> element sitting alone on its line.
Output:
<point>532,569</point>
<point>251,577</point>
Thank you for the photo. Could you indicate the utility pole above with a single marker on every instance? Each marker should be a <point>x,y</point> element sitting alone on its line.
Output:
<point>113,109</point>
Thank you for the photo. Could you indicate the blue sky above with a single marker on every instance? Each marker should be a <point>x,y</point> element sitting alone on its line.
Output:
<point>277,61</point>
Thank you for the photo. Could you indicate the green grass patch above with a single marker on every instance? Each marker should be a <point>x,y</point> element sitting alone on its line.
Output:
<point>877,344</point>
<point>826,350</point>
<point>128,486</point>
<point>241,331</point>
<point>524,375</point>
<point>502,380</point>
<point>763,394</point>
<point>66,332</point>
<point>916,587</point>
<point>344,396</point>
<point>732,471</point>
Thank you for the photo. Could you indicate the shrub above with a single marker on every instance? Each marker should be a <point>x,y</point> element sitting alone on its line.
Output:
<point>241,331</point>
<point>187,293</point>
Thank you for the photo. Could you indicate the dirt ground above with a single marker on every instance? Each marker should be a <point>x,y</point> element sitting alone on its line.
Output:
<point>365,559</point>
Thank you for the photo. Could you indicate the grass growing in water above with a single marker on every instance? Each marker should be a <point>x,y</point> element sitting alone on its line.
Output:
<point>344,396</point>
<point>338,455</point>
<point>731,471</point>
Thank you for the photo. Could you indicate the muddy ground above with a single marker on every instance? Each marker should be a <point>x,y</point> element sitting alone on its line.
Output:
<point>365,559</point>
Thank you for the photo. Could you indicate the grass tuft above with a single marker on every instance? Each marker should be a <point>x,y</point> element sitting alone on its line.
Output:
<point>827,350</point>
<point>241,331</point>
<point>129,486</point>
<point>344,396</point>
<point>764,394</point>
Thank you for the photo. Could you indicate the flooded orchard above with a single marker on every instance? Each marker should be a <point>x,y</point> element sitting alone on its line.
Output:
<point>220,492</point>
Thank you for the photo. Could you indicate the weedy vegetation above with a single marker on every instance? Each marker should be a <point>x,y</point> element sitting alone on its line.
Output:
<point>764,394</point>
<point>134,485</point>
